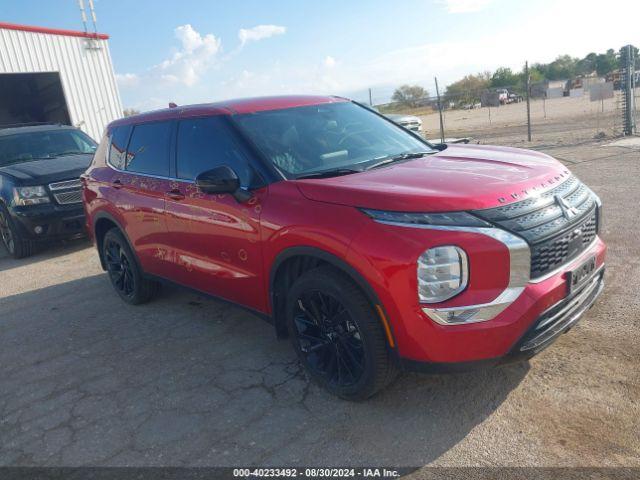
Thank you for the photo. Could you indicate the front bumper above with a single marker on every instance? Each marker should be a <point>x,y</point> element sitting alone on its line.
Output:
<point>559,318</point>
<point>545,329</point>
<point>54,221</point>
<point>418,338</point>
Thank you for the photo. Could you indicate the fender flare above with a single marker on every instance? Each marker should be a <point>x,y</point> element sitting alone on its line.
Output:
<point>107,216</point>
<point>327,257</point>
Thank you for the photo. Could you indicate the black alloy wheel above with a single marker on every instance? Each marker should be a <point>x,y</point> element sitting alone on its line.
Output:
<point>329,338</point>
<point>338,335</point>
<point>16,245</point>
<point>6,234</point>
<point>124,272</point>
<point>119,268</point>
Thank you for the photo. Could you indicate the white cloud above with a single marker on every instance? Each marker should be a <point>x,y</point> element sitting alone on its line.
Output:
<point>259,32</point>
<point>127,79</point>
<point>465,6</point>
<point>508,44</point>
<point>197,54</point>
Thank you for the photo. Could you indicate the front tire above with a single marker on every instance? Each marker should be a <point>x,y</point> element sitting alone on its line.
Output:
<point>337,335</point>
<point>124,272</point>
<point>17,246</point>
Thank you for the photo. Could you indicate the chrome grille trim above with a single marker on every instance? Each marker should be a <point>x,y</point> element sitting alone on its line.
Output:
<point>66,198</point>
<point>65,185</point>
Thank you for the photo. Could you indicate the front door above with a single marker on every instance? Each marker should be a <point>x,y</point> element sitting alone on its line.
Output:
<point>214,239</point>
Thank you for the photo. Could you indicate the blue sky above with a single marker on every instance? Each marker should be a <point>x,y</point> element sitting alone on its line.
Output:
<point>195,51</point>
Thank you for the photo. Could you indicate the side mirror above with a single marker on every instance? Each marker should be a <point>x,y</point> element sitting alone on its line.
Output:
<point>222,179</point>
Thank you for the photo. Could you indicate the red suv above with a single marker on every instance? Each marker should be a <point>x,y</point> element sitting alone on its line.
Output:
<point>372,249</point>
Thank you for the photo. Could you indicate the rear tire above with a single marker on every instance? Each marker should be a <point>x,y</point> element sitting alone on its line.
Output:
<point>16,245</point>
<point>124,272</point>
<point>337,335</point>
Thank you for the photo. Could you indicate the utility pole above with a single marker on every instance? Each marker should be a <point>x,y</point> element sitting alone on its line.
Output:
<point>528,86</point>
<point>628,86</point>
<point>439,111</point>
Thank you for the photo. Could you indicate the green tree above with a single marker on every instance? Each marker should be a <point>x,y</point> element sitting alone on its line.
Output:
<point>468,89</point>
<point>587,65</point>
<point>409,95</point>
<point>622,51</point>
<point>504,77</point>
<point>562,68</point>
<point>606,62</point>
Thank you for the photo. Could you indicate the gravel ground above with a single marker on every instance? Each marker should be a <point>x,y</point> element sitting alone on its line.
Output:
<point>189,381</point>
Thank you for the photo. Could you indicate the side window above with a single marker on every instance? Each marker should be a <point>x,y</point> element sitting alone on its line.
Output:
<point>148,150</point>
<point>117,150</point>
<point>206,143</point>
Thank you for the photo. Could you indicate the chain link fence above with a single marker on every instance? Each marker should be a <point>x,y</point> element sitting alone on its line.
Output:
<point>561,112</point>
<point>498,117</point>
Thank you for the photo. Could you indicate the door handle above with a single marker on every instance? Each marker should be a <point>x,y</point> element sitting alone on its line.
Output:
<point>116,184</point>
<point>175,194</point>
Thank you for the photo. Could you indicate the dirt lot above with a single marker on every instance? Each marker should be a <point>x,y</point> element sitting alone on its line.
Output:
<point>186,380</point>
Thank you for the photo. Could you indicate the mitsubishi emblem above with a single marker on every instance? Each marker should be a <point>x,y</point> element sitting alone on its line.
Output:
<point>567,210</point>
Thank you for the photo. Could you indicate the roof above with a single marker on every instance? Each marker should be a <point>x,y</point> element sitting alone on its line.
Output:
<point>52,31</point>
<point>231,107</point>
<point>33,128</point>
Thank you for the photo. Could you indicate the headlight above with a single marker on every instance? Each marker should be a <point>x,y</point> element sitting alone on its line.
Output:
<point>458,219</point>
<point>30,195</point>
<point>443,272</point>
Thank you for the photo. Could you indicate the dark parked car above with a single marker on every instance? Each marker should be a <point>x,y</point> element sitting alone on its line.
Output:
<point>40,197</point>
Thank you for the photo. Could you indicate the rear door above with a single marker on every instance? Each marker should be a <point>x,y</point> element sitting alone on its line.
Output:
<point>141,193</point>
<point>214,240</point>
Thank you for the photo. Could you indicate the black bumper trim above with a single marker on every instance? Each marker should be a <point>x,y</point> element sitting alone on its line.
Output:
<point>58,222</point>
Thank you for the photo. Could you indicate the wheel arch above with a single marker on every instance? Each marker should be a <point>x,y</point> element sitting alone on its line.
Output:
<point>293,261</point>
<point>102,223</point>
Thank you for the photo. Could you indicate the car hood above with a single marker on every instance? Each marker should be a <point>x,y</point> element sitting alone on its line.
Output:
<point>461,177</point>
<point>40,172</point>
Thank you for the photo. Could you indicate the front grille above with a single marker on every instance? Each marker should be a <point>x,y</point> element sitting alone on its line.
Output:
<point>67,191</point>
<point>555,238</point>
<point>64,198</point>
<point>552,253</point>
<point>67,184</point>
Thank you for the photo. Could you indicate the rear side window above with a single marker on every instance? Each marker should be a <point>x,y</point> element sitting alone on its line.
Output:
<point>206,143</point>
<point>117,150</point>
<point>148,150</point>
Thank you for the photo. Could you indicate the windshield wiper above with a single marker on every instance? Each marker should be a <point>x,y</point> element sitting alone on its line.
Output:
<point>336,172</point>
<point>401,156</point>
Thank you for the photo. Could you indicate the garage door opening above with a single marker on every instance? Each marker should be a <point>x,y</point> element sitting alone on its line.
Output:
<point>31,98</point>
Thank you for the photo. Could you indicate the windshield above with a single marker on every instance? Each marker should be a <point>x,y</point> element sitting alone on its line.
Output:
<point>23,147</point>
<point>335,136</point>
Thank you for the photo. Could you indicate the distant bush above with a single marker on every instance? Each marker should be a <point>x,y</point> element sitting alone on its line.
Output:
<point>409,95</point>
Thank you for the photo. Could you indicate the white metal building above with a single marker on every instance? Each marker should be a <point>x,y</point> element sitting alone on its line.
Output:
<point>50,75</point>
